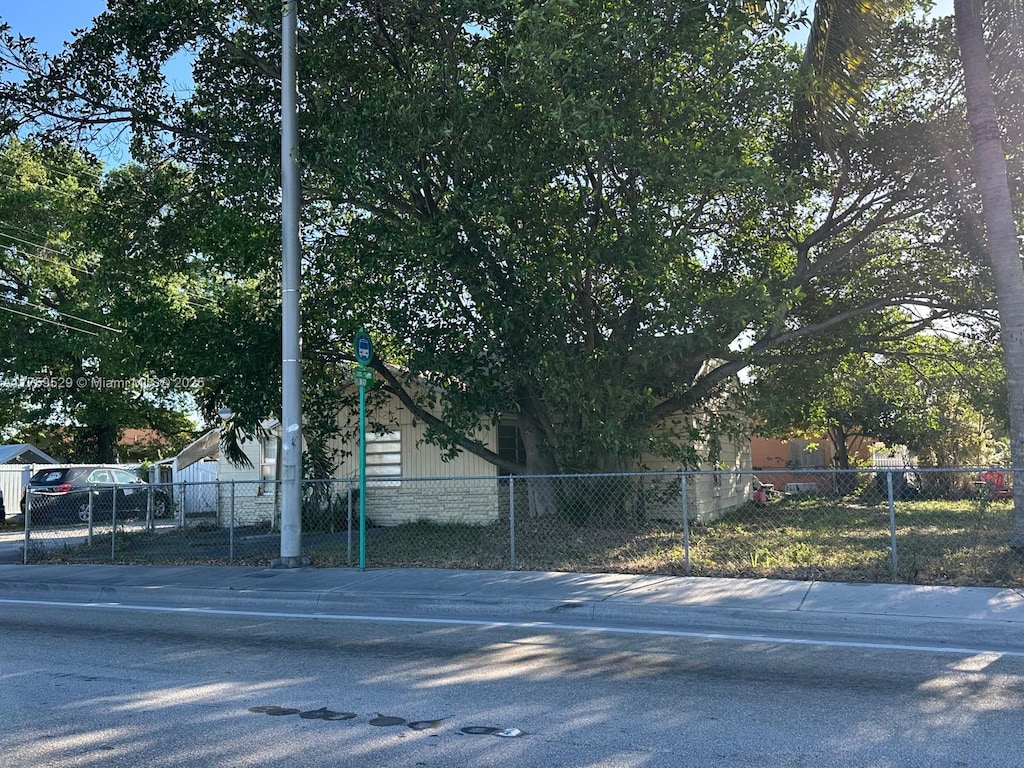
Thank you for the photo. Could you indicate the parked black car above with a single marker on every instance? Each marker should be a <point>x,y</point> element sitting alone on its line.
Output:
<point>63,493</point>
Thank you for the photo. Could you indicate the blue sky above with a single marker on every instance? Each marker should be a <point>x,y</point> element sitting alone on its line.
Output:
<point>52,21</point>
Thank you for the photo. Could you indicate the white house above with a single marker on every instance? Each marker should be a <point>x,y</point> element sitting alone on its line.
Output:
<point>409,480</point>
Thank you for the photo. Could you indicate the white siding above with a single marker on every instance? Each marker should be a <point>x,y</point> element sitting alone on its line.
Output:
<point>250,506</point>
<point>419,459</point>
<point>13,478</point>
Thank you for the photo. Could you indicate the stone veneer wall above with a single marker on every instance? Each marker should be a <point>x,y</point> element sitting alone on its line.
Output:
<point>458,500</point>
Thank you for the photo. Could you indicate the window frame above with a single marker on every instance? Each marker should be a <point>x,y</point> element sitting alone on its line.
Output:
<point>384,459</point>
<point>268,481</point>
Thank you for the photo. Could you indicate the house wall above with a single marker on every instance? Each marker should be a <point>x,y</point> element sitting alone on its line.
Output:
<point>792,456</point>
<point>454,500</point>
<point>463,489</point>
<point>712,491</point>
<point>772,453</point>
<point>254,503</point>
<point>467,488</point>
<point>199,492</point>
<point>19,463</point>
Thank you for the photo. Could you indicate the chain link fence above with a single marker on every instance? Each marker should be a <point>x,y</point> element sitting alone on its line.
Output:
<point>904,525</point>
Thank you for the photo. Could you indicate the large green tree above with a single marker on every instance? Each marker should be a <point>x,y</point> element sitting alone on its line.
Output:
<point>89,301</point>
<point>587,216</point>
<point>991,56</point>
<point>1002,238</point>
<point>942,397</point>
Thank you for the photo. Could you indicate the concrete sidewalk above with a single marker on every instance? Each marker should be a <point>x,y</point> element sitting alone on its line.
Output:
<point>965,617</point>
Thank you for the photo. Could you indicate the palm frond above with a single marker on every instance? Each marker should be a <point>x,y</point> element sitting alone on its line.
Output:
<point>838,61</point>
<point>1004,27</point>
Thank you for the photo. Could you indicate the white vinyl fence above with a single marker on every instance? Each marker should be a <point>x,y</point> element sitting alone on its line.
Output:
<point>13,479</point>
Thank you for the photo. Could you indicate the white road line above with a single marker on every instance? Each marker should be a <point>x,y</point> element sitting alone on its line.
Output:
<point>728,637</point>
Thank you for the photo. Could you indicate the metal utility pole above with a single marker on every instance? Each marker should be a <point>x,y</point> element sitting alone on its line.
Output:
<point>291,346</point>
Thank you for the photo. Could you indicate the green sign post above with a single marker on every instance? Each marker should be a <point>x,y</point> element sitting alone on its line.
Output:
<point>364,378</point>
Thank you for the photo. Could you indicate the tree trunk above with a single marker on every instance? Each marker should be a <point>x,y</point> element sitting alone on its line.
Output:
<point>840,449</point>
<point>845,482</point>
<point>1001,243</point>
<point>106,444</point>
<point>540,465</point>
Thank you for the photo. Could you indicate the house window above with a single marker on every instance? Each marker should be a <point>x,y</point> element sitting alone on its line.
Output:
<point>510,446</point>
<point>268,464</point>
<point>384,458</point>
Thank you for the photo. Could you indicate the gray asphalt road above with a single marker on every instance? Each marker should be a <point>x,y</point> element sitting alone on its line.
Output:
<point>92,686</point>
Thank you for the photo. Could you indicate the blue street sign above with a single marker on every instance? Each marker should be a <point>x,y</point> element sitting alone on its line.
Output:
<point>364,348</point>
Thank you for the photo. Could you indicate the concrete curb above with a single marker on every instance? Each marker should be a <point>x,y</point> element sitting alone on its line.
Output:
<point>973,617</point>
<point>746,623</point>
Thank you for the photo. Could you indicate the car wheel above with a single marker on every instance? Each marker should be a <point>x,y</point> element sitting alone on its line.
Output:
<point>160,506</point>
<point>83,512</point>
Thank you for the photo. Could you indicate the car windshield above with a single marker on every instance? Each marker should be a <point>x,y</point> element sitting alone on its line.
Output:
<point>120,476</point>
<point>49,477</point>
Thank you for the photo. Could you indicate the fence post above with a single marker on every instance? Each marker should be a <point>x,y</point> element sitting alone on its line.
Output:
<point>89,497</point>
<point>113,526</point>
<point>512,520</point>
<point>231,525</point>
<point>892,527</point>
<point>349,527</point>
<point>28,522</point>
<point>686,524</point>
<point>182,496</point>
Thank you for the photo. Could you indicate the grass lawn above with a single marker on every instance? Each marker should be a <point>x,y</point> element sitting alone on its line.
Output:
<point>937,542</point>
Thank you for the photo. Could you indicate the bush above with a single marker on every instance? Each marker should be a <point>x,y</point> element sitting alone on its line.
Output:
<point>326,513</point>
<point>599,500</point>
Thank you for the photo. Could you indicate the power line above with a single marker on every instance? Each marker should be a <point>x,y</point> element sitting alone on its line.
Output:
<point>72,174</point>
<point>197,301</point>
<point>194,300</point>
<point>40,246</point>
<point>65,314</point>
<point>39,257</point>
<point>45,160</point>
<point>21,229</point>
<point>46,320</point>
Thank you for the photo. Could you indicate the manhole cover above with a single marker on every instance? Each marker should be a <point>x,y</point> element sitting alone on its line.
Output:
<point>326,714</point>
<point>383,721</point>
<point>274,710</point>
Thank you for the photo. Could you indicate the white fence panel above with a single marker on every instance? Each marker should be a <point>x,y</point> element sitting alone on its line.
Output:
<point>198,489</point>
<point>13,478</point>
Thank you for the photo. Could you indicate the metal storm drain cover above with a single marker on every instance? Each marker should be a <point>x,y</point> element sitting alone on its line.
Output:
<point>274,710</point>
<point>326,714</point>
<point>384,721</point>
<point>387,721</point>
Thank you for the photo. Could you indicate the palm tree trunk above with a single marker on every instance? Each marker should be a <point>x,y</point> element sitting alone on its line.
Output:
<point>1000,229</point>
